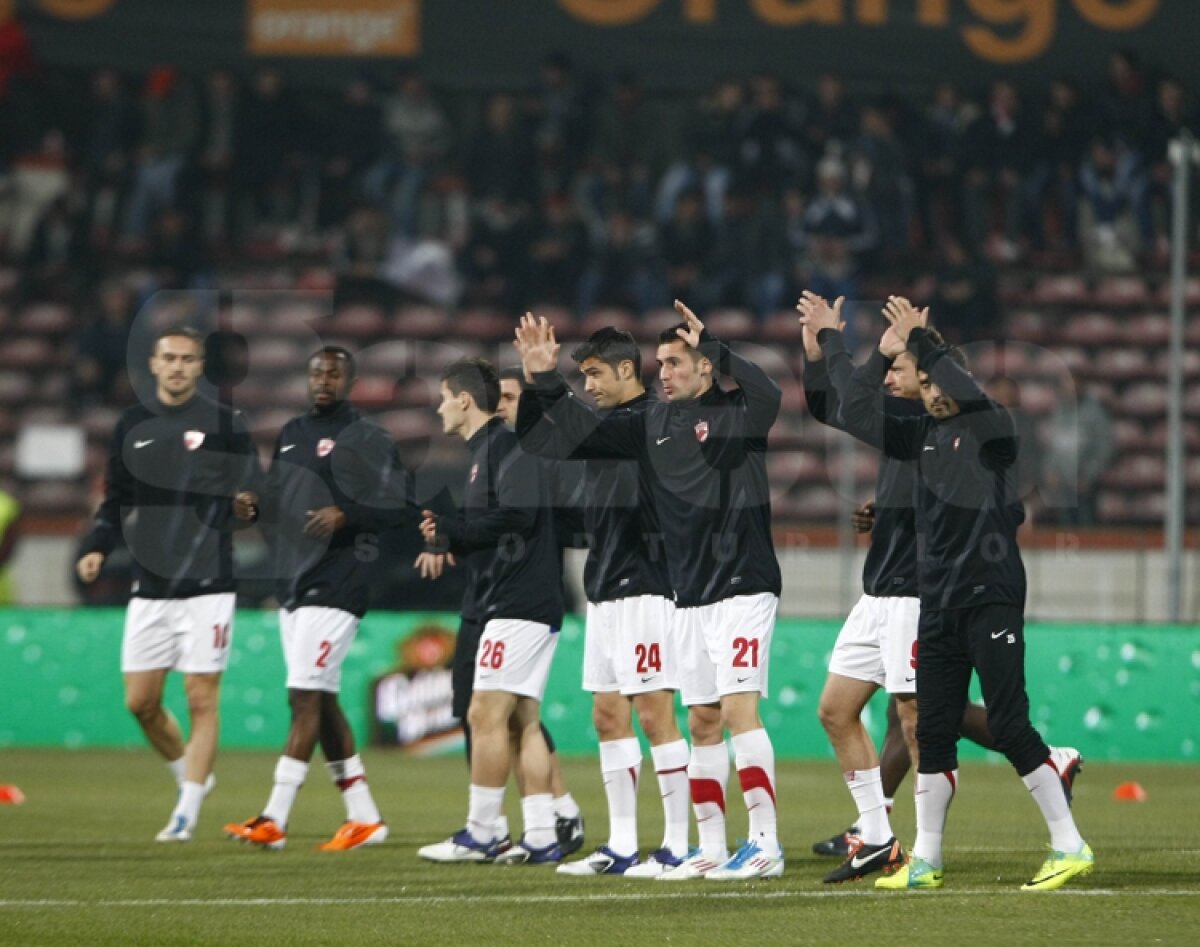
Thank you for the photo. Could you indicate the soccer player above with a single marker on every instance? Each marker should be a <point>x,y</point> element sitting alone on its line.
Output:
<point>335,482</point>
<point>176,463</point>
<point>628,660</point>
<point>972,590</point>
<point>703,449</point>
<point>506,533</point>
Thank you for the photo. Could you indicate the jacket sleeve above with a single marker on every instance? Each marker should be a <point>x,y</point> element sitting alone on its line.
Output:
<point>763,396</point>
<point>990,422</point>
<point>520,493</point>
<point>119,495</point>
<point>578,432</point>
<point>866,416</point>
<point>373,485</point>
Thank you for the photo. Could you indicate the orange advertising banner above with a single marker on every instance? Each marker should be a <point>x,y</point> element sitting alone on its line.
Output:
<point>347,28</point>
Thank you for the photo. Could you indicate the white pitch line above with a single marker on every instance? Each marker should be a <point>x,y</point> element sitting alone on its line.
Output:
<point>673,894</point>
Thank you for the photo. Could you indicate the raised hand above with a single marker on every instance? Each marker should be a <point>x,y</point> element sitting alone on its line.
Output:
<point>816,314</point>
<point>904,316</point>
<point>690,335</point>
<point>536,345</point>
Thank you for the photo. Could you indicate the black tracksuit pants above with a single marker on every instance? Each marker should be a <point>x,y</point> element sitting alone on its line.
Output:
<point>951,643</point>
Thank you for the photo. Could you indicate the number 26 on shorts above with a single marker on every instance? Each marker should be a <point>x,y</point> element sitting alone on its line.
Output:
<point>491,655</point>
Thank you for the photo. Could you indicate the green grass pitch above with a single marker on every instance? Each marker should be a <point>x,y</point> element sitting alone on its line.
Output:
<point>78,866</point>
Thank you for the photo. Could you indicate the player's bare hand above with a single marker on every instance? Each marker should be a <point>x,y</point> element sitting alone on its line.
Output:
<point>890,343</point>
<point>690,335</point>
<point>863,518</point>
<point>324,522</point>
<point>428,525</point>
<point>536,345</point>
<point>816,313</point>
<point>904,316</point>
<point>431,565</point>
<point>88,567</point>
<point>245,506</point>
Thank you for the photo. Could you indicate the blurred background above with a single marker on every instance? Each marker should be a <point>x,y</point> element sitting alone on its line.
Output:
<point>407,177</point>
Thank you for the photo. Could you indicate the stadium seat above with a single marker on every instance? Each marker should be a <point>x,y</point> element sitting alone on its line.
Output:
<point>1192,473</point>
<point>1060,289</point>
<point>31,353</point>
<point>1026,325</point>
<point>1123,364</point>
<point>483,325</point>
<point>608,316</point>
<point>1191,292</point>
<point>731,324</point>
<point>653,322</point>
<point>1191,363</point>
<point>275,355</point>
<point>785,469</point>
<point>15,387</point>
<point>1091,328</point>
<point>1112,507</point>
<point>374,392</point>
<point>359,322</point>
<point>1136,471</point>
<point>410,424</point>
<point>296,319</point>
<point>1073,358</point>
<point>560,317</point>
<point>45,319</point>
<point>55,497</point>
<point>1130,436</point>
<point>421,322</point>
<point>1148,328</point>
<point>865,465</point>
<point>1121,291</point>
<point>1156,439</point>
<point>1143,400</point>
<point>1191,401</point>
<point>783,328</point>
<point>99,421</point>
<point>816,502</point>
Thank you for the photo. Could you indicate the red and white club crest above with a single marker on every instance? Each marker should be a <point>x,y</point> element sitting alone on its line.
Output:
<point>193,439</point>
<point>325,446</point>
<point>957,441</point>
<point>474,473</point>
<point>702,431</point>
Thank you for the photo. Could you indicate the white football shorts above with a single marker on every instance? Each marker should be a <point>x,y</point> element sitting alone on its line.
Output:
<point>191,635</point>
<point>724,648</point>
<point>878,643</point>
<point>514,656</point>
<point>316,641</point>
<point>628,646</point>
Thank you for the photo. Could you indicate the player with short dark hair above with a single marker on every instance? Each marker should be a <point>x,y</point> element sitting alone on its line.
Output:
<point>972,589</point>
<point>175,464</point>
<point>334,485</point>
<point>505,531</point>
<point>703,449</point>
<point>629,662</point>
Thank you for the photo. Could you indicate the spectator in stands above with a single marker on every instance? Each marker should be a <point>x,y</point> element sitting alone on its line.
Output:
<point>746,264</point>
<point>54,265</point>
<point>709,151</point>
<point>879,170</point>
<point>1172,114</point>
<point>1112,188</point>
<point>1000,150</point>
<point>273,171</point>
<point>630,145</point>
<point>770,147</point>
<point>170,127</point>
<point>1125,105</point>
<point>832,122</point>
<point>838,231</point>
<point>98,369</point>
<point>557,253</point>
<point>555,107</point>
<point>684,243</point>
<point>177,256</point>
<point>964,293</point>
<point>1051,186</point>
<point>1078,449</point>
<point>353,144</point>
<point>500,155</point>
<point>105,152</point>
<point>939,163</point>
<point>363,253</point>
<point>495,261</point>
<point>417,139</point>
<point>620,269</point>
<point>38,177</point>
<point>212,173</point>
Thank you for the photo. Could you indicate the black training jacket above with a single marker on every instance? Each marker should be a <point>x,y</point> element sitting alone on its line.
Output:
<point>706,460</point>
<point>172,474</point>
<point>890,569</point>
<point>625,554</point>
<point>335,458</point>
<point>967,506</point>
<point>506,531</point>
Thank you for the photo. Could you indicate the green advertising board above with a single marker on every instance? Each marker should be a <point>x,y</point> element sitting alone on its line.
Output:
<point>1129,692</point>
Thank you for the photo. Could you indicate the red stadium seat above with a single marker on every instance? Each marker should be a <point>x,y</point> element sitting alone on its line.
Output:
<point>421,322</point>
<point>782,328</point>
<point>731,324</point>
<point>1149,328</point>
<point>55,497</point>
<point>31,353</point>
<point>1143,400</point>
<point>1123,291</point>
<point>410,425</point>
<point>1130,436</point>
<point>652,323</point>
<point>1136,471</point>
<point>1092,328</point>
<point>374,392</point>
<point>1191,292</point>
<point>1157,438</point>
<point>15,387</point>
<point>815,502</point>
<point>45,319</point>
<point>359,322</point>
<point>609,316</point>
<point>1061,289</point>
<point>1026,325</point>
<point>483,325</point>
<point>1123,364</point>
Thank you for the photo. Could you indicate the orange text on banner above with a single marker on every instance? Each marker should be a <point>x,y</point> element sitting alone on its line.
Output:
<point>333,27</point>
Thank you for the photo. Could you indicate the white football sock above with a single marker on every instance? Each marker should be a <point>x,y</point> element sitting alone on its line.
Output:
<point>671,768</point>
<point>176,767</point>
<point>935,792</point>
<point>484,811</point>
<point>867,789</point>
<point>537,813</point>
<point>188,805</point>
<point>708,772</point>
<point>1045,785</point>
<point>289,777</point>
<point>620,765</point>
<point>565,807</point>
<point>755,760</point>
<point>350,776</point>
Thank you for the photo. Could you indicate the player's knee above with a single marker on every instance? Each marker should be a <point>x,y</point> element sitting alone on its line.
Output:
<point>705,725</point>
<point>144,707</point>
<point>305,705</point>
<point>608,724</point>
<point>485,717</point>
<point>835,716</point>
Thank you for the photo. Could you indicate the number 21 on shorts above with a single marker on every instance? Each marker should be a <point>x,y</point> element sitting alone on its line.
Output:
<point>745,652</point>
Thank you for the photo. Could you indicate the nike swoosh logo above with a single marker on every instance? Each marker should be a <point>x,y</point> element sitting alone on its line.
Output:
<point>661,440</point>
<point>285,448</point>
<point>856,862</point>
<point>909,680</point>
<point>743,680</point>
<point>1002,631</point>
<point>930,448</point>
<point>646,679</point>
<point>137,445</point>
